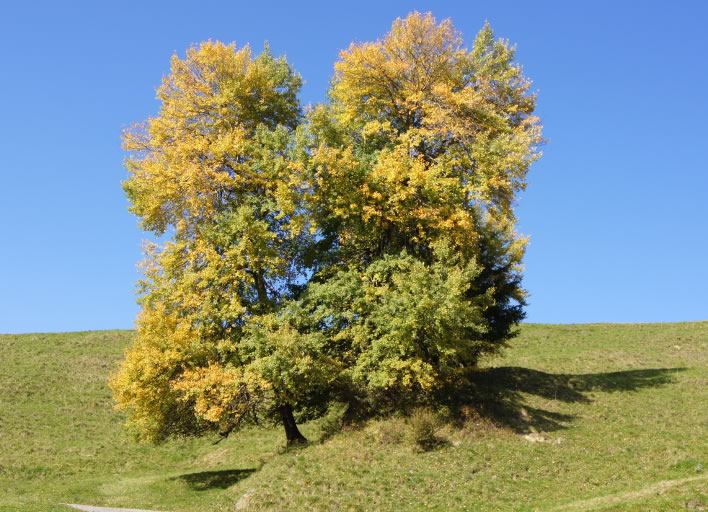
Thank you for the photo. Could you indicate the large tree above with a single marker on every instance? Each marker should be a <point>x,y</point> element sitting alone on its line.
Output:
<point>213,171</point>
<point>365,249</point>
<point>416,163</point>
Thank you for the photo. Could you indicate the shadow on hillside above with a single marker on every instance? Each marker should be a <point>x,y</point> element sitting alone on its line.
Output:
<point>498,393</point>
<point>205,480</point>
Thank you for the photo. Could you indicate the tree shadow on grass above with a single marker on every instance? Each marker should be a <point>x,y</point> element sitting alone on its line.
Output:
<point>498,393</point>
<point>223,479</point>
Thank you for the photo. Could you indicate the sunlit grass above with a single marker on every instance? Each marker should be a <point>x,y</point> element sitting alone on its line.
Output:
<point>575,417</point>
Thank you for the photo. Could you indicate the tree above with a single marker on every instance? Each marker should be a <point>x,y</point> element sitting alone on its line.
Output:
<point>364,249</point>
<point>213,170</point>
<point>416,163</point>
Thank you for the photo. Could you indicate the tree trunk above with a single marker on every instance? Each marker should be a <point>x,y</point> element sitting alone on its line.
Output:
<point>292,433</point>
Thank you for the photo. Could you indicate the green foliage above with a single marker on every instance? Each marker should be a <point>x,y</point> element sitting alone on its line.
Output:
<point>364,252</point>
<point>415,163</point>
<point>406,326</point>
<point>332,422</point>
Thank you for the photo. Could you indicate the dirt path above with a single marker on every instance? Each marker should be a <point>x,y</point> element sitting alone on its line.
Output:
<point>89,508</point>
<point>621,498</point>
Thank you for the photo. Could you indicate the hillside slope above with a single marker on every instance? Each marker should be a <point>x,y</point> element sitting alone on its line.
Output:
<point>576,417</point>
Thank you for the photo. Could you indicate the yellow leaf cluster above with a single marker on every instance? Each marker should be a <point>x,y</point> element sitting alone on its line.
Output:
<point>449,133</point>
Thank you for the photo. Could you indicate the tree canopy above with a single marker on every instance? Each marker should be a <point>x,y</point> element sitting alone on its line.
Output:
<point>363,248</point>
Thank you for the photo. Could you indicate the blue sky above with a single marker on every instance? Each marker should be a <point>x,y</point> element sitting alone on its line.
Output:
<point>616,208</point>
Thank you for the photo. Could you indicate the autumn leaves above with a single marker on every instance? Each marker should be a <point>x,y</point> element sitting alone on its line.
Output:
<point>362,251</point>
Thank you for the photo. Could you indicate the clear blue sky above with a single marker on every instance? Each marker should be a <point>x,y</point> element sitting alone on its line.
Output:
<point>616,208</point>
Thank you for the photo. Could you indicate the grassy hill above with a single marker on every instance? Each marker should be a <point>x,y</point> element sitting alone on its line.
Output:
<point>577,417</point>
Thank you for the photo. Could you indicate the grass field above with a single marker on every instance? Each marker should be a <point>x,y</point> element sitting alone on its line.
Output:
<point>576,417</point>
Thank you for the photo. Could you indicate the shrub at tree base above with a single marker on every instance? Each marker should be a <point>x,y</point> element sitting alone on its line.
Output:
<point>423,426</point>
<point>363,251</point>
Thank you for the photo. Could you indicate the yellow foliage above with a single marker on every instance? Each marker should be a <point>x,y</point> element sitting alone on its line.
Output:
<point>212,169</point>
<point>395,200</point>
<point>450,133</point>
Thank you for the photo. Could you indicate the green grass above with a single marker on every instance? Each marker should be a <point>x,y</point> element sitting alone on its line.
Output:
<point>575,417</point>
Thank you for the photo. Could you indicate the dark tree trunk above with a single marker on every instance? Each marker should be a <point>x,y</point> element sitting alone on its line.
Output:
<point>292,433</point>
